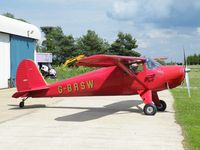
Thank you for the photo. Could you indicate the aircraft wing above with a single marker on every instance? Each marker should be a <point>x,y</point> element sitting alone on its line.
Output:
<point>107,60</point>
<point>112,60</point>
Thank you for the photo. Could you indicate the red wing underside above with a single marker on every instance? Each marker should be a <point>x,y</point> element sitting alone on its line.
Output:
<point>107,60</point>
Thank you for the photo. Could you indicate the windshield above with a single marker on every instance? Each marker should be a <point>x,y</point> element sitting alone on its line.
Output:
<point>151,64</point>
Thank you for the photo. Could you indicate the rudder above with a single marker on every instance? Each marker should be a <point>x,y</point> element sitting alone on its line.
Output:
<point>28,77</point>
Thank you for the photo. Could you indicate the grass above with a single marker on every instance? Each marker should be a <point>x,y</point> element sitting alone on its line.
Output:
<point>188,110</point>
<point>65,72</point>
<point>194,76</point>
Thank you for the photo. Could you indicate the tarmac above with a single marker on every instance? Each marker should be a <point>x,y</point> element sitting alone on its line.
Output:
<point>87,123</point>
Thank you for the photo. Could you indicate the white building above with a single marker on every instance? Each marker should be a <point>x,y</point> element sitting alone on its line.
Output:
<point>17,42</point>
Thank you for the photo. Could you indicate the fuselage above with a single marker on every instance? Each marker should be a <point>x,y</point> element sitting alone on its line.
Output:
<point>114,81</point>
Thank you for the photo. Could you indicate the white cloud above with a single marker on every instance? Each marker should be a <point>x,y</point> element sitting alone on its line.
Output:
<point>161,33</point>
<point>142,44</point>
<point>161,27</point>
<point>123,9</point>
<point>163,13</point>
<point>198,30</point>
<point>129,9</point>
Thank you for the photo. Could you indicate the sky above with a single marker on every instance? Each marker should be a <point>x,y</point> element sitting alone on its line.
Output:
<point>162,28</point>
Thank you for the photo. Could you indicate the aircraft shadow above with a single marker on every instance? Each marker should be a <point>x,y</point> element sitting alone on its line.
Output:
<point>16,107</point>
<point>92,113</point>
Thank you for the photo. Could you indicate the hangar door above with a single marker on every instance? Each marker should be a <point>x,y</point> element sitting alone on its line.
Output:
<point>21,48</point>
<point>4,60</point>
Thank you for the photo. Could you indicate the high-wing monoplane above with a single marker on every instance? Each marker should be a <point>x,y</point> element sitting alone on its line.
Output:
<point>116,75</point>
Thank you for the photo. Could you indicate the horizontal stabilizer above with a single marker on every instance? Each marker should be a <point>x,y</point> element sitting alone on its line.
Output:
<point>27,92</point>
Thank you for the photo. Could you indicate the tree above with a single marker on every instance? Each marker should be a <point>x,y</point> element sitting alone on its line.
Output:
<point>67,48</point>
<point>124,45</point>
<point>193,59</point>
<point>60,45</point>
<point>53,37</point>
<point>63,47</point>
<point>10,15</point>
<point>91,44</point>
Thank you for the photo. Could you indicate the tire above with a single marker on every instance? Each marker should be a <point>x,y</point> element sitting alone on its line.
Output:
<point>21,104</point>
<point>150,109</point>
<point>162,106</point>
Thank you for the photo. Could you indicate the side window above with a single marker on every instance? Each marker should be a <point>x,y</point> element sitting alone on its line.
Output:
<point>136,67</point>
<point>140,68</point>
<point>152,64</point>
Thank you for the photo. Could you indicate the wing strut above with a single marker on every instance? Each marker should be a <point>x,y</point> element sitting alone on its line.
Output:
<point>131,74</point>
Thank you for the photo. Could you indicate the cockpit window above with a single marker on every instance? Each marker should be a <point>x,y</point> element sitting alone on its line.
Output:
<point>136,67</point>
<point>151,64</point>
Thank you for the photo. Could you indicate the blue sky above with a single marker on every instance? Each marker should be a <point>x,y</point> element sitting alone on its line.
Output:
<point>161,27</point>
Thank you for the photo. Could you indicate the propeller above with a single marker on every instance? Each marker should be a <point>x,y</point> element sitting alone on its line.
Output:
<point>187,70</point>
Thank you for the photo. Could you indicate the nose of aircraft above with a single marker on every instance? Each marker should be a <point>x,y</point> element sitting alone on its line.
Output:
<point>174,75</point>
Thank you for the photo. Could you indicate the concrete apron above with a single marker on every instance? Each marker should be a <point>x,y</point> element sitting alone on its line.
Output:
<point>87,123</point>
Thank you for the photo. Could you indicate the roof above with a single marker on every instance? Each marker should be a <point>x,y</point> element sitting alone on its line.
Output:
<point>16,27</point>
<point>107,60</point>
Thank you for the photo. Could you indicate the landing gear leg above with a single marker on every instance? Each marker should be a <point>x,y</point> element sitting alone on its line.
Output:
<point>149,108</point>
<point>21,104</point>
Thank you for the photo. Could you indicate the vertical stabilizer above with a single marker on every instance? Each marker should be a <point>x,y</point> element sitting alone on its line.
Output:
<point>28,76</point>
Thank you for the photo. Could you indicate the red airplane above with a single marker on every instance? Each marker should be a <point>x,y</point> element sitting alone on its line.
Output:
<point>118,75</point>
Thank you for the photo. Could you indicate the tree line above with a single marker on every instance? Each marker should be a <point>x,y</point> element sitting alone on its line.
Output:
<point>193,59</point>
<point>66,46</point>
<point>9,15</point>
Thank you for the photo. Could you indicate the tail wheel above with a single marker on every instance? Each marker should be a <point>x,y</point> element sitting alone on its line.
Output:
<point>162,106</point>
<point>21,104</point>
<point>150,109</point>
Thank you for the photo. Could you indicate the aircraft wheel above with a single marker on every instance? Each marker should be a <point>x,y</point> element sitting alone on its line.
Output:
<point>150,109</point>
<point>162,106</point>
<point>21,104</point>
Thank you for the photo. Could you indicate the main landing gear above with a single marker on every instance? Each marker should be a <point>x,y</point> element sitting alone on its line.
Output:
<point>21,104</point>
<point>151,109</point>
<point>152,101</point>
<point>162,106</point>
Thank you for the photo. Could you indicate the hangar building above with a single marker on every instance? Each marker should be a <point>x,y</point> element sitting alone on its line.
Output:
<point>17,42</point>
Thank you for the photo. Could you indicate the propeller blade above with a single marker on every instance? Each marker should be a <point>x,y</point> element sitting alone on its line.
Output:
<point>187,70</point>
<point>187,82</point>
<point>185,63</point>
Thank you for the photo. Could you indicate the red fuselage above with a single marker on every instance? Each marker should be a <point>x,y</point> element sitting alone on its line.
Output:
<point>114,81</point>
